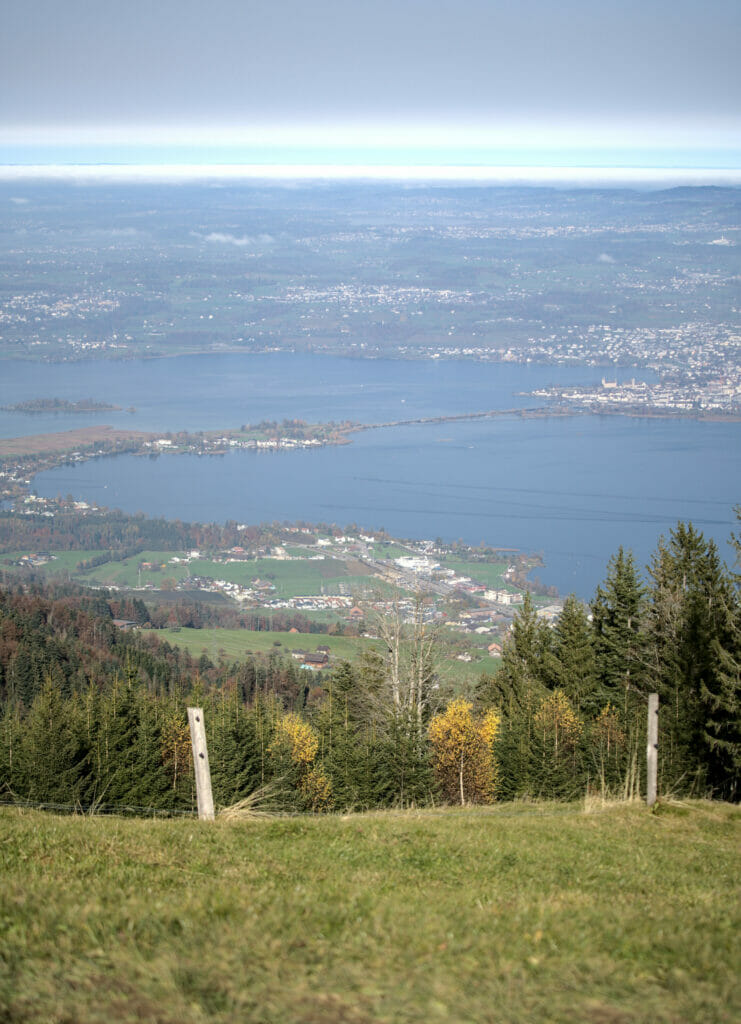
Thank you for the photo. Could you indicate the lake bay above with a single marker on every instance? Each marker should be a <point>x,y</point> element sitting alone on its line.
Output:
<point>574,488</point>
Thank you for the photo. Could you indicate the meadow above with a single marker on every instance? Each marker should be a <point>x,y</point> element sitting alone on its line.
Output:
<point>291,578</point>
<point>236,643</point>
<point>490,573</point>
<point>517,913</point>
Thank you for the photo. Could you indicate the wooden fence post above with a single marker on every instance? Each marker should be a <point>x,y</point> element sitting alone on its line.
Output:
<point>652,748</point>
<point>200,763</point>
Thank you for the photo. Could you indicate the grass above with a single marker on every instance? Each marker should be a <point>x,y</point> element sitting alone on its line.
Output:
<point>291,578</point>
<point>125,572</point>
<point>64,561</point>
<point>238,642</point>
<point>295,578</point>
<point>489,573</point>
<point>384,549</point>
<point>66,440</point>
<point>516,913</point>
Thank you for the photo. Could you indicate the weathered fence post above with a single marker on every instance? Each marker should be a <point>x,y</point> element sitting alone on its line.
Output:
<point>200,763</point>
<point>652,748</point>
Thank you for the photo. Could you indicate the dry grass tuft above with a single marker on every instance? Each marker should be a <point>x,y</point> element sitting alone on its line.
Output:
<point>262,803</point>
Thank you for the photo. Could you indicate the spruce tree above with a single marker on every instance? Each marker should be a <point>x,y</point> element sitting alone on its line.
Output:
<point>570,663</point>
<point>523,667</point>
<point>692,649</point>
<point>51,758</point>
<point>617,620</point>
<point>721,694</point>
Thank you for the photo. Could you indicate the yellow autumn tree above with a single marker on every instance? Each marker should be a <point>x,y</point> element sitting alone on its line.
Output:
<point>610,734</point>
<point>296,736</point>
<point>463,752</point>
<point>177,754</point>
<point>299,742</point>
<point>560,724</point>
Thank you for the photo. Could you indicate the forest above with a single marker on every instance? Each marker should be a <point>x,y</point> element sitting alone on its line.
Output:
<point>93,717</point>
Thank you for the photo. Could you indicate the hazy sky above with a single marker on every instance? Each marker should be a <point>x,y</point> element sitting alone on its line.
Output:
<point>304,79</point>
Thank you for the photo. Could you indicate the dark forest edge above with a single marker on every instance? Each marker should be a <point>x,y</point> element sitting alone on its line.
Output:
<point>94,716</point>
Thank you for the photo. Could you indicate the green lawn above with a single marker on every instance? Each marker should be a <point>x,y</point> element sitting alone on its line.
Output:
<point>517,914</point>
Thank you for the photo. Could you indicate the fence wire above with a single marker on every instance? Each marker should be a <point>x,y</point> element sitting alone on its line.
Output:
<point>97,809</point>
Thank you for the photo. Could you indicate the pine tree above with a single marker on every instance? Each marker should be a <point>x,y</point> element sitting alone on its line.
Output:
<point>238,738</point>
<point>722,730</point>
<point>10,743</point>
<point>721,694</point>
<point>690,624</point>
<point>51,759</point>
<point>523,667</point>
<point>617,619</point>
<point>570,663</point>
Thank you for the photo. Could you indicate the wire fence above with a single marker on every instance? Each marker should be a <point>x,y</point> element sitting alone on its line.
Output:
<point>514,809</point>
<point>91,810</point>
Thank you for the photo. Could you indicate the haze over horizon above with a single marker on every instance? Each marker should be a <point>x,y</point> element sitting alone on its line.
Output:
<point>433,87</point>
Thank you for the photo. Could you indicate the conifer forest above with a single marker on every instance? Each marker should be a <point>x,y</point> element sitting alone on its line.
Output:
<point>93,717</point>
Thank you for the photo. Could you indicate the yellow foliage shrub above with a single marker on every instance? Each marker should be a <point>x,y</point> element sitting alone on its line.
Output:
<point>558,721</point>
<point>316,786</point>
<point>298,738</point>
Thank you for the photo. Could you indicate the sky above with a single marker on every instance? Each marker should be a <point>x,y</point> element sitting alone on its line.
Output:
<point>422,83</point>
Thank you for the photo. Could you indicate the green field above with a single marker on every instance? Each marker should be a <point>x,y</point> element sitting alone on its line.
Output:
<point>236,643</point>
<point>489,573</point>
<point>125,572</point>
<point>291,578</point>
<point>518,913</point>
<point>385,549</point>
<point>63,562</point>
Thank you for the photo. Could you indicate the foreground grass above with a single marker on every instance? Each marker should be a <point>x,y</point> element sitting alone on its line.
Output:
<point>521,914</point>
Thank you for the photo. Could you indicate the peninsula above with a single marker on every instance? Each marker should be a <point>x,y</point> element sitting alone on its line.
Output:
<point>41,405</point>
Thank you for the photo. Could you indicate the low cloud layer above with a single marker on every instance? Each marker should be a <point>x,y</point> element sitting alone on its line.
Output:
<point>241,241</point>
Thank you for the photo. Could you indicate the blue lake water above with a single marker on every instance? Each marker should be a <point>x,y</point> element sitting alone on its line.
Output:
<point>573,488</point>
<point>219,391</point>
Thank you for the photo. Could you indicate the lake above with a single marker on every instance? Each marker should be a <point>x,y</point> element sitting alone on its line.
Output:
<point>573,488</point>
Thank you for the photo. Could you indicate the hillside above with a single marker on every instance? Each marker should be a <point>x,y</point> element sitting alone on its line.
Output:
<point>520,913</point>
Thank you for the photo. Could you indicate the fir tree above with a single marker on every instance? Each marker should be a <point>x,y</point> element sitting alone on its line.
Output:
<point>570,663</point>
<point>523,667</point>
<point>691,630</point>
<point>721,694</point>
<point>619,638</point>
<point>51,758</point>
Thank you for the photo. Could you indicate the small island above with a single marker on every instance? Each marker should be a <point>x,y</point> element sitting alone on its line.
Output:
<point>40,405</point>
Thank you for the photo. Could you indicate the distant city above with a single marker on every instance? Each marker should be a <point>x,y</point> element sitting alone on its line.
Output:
<point>620,279</point>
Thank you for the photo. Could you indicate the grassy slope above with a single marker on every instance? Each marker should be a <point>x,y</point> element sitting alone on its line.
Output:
<point>63,562</point>
<point>238,642</point>
<point>519,914</point>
